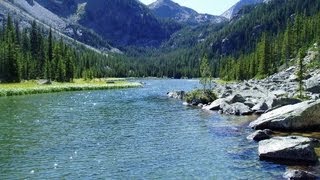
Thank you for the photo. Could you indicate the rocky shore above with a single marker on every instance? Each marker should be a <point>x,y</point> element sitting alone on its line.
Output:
<point>275,98</point>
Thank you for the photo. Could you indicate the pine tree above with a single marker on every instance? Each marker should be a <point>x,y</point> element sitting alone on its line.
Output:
<point>49,56</point>
<point>69,66</point>
<point>263,51</point>
<point>300,72</point>
<point>13,71</point>
<point>205,73</point>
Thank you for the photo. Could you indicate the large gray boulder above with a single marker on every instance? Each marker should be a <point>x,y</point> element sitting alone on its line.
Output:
<point>301,116</point>
<point>215,105</point>
<point>238,109</point>
<point>236,99</point>
<point>313,84</point>
<point>293,174</point>
<point>291,149</point>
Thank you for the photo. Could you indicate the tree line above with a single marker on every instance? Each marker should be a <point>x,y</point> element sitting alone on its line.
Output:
<point>36,53</point>
<point>273,52</point>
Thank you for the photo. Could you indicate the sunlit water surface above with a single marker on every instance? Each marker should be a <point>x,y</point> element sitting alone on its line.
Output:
<point>121,134</point>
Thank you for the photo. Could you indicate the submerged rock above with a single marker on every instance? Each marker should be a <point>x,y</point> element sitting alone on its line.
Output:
<point>301,116</point>
<point>291,149</point>
<point>176,94</point>
<point>260,135</point>
<point>292,174</point>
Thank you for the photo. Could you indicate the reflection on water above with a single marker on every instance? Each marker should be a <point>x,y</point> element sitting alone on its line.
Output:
<point>119,134</point>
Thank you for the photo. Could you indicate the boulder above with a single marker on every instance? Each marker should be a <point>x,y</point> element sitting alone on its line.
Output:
<point>260,135</point>
<point>238,109</point>
<point>313,84</point>
<point>260,107</point>
<point>279,102</point>
<point>301,116</point>
<point>293,174</point>
<point>215,105</point>
<point>44,82</point>
<point>236,99</point>
<point>288,150</point>
<point>249,104</point>
<point>176,94</point>
<point>279,93</point>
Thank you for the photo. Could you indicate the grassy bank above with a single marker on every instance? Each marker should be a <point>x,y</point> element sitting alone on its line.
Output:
<point>33,87</point>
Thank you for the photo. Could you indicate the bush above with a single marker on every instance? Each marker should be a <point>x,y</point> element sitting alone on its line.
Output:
<point>200,96</point>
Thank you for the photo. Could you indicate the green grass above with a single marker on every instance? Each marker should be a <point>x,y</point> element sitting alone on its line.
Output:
<point>32,87</point>
<point>223,82</point>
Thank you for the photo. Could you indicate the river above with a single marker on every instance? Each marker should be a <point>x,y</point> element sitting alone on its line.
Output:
<point>124,134</point>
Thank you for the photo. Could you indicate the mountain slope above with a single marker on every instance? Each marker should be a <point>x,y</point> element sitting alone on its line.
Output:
<point>231,12</point>
<point>168,9</point>
<point>26,11</point>
<point>122,22</point>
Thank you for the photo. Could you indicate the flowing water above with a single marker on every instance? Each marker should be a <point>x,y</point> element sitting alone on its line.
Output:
<point>124,134</point>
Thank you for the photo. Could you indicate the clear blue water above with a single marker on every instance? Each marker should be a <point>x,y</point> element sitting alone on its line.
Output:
<point>124,134</point>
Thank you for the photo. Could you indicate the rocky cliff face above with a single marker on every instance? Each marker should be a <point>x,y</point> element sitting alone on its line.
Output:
<point>230,13</point>
<point>168,9</point>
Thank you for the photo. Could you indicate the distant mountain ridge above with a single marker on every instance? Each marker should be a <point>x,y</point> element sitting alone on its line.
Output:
<point>231,12</point>
<point>120,23</point>
<point>168,9</point>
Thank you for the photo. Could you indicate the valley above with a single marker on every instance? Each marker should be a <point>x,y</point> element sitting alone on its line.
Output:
<point>123,89</point>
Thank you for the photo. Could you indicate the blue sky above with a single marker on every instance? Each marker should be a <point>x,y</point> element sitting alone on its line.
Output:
<point>215,7</point>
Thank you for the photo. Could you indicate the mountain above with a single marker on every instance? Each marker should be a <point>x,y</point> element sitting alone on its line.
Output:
<point>231,12</point>
<point>168,9</point>
<point>122,22</point>
<point>26,11</point>
<point>99,23</point>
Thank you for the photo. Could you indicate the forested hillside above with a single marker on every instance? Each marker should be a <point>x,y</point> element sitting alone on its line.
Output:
<point>262,39</point>
<point>33,53</point>
<point>273,31</point>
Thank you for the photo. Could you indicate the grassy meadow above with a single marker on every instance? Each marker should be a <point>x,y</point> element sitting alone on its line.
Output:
<point>34,87</point>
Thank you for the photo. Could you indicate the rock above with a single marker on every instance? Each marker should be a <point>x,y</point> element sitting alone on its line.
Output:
<point>215,105</point>
<point>176,94</point>
<point>226,93</point>
<point>261,107</point>
<point>315,96</point>
<point>186,104</point>
<point>44,82</point>
<point>260,135</point>
<point>291,69</point>
<point>293,174</point>
<point>236,99</point>
<point>279,93</point>
<point>249,104</point>
<point>200,105</point>
<point>289,150</point>
<point>313,84</point>
<point>238,109</point>
<point>284,101</point>
<point>301,116</point>
<point>293,78</point>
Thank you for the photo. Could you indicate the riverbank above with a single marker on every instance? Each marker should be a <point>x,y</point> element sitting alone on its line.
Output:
<point>283,110</point>
<point>37,87</point>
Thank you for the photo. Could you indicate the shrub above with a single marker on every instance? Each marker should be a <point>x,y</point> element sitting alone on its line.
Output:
<point>200,96</point>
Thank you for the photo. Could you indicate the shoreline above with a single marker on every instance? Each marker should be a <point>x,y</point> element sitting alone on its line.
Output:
<point>33,87</point>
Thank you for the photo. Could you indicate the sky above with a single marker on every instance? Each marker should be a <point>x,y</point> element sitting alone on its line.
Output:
<point>214,7</point>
